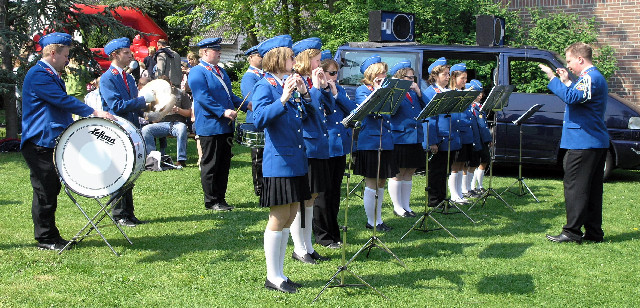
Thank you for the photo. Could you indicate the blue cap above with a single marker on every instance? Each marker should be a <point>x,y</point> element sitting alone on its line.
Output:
<point>458,67</point>
<point>55,38</point>
<point>308,43</point>
<point>474,85</point>
<point>251,51</point>
<point>116,44</point>
<point>371,60</point>
<point>400,65</point>
<point>213,43</point>
<point>325,55</point>
<point>284,40</point>
<point>436,63</point>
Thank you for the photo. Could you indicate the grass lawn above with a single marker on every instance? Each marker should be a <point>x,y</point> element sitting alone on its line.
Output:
<point>188,257</point>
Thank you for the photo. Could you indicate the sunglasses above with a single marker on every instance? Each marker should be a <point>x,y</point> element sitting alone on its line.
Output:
<point>332,73</point>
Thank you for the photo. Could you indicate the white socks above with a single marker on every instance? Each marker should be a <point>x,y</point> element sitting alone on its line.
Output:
<point>308,220</point>
<point>406,195</point>
<point>380,199</point>
<point>283,252</point>
<point>466,182</point>
<point>396,193</point>
<point>369,199</point>
<point>453,186</point>
<point>272,254</point>
<point>297,235</point>
<point>478,175</point>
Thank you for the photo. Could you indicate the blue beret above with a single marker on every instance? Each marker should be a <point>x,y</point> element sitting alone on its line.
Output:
<point>308,43</point>
<point>55,38</point>
<point>284,40</point>
<point>474,84</point>
<point>325,55</point>
<point>458,67</point>
<point>116,44</point>
<point>371,60</point>
<point>400,65</point>
<point>251,50</point>
<point>436,63</point>
<point>213,43</point>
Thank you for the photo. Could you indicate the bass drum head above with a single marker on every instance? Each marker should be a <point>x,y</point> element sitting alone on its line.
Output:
<point>95,157</point>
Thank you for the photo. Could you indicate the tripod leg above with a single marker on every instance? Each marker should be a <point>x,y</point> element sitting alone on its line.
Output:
<point>385,248</point>
<point>461,211</point>
<point>534,196</point>
<point>420,221</point>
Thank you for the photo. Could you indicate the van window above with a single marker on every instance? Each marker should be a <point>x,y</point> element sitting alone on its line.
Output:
<point>351,61</point>
<point>527,77</point>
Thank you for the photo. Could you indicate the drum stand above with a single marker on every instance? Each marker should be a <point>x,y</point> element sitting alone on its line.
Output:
<point>92,222</point>
<point>490,192</point>
<point>421,223</point>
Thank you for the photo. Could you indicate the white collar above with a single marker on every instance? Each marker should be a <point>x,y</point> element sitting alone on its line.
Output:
<point>585,69</point>
<point>280,81</point>
<point>49,65</point>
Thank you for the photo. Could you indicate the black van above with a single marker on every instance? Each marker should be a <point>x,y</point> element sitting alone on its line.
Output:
<point>493,66</point>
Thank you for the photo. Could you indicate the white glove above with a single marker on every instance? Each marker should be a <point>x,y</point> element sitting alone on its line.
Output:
<point>148,95</point>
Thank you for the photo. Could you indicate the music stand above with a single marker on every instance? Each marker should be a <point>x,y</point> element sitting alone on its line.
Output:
<point>382,100</point>
<point>520,179</point>
<point>93,222</point>
<point>498,99</point>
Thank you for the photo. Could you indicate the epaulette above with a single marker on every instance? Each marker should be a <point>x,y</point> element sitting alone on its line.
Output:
<point>209,68</point>
<point>49,70</point>
<point>114,72</point>
<point>272,81</point>
<point>370,88</point>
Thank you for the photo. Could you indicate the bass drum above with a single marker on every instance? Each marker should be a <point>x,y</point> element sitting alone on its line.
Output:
<point>95,157</point>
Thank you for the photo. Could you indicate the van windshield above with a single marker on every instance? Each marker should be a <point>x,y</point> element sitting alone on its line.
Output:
<point>351,61</point>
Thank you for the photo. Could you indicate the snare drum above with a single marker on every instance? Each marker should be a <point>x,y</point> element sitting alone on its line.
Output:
<point>247,135</point>
<point>95,157</point>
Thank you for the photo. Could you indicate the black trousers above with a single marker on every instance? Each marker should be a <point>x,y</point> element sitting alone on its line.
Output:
<point>437,172</point>
<point>214,166</point>
<point>256,169</point>
<point>327,205</point>
<point>46,187</point>
<point>583,172</point>
<point>124,208</point>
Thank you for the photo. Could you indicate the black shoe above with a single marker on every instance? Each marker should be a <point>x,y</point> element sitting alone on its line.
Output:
<point>411,214</point>
<point>316,256</point>
<point>562,238</point>
<point>383,227</point>
<point>284,287</point>
<point>592,239</point>
<point>126,222</point>
<point>306,258</point>
<point>220,206</point>
<point>54,245</point>
<point>294,284</point>
<point>334,245</point>
<point>405,214</point>
<point>137,221</point>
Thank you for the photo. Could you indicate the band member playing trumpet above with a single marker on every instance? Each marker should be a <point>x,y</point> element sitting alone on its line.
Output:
<point>46,113</point>
<point>278,110</point>
<point>316,140</point>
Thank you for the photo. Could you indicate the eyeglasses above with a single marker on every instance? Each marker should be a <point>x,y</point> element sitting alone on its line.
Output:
<point>332,73</point>
<point>414,78</point>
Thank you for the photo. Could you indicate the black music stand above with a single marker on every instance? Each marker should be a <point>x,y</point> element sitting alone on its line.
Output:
<point>93,222</point>
<point>520,179</point>
<point>384,100</point>
<point>498,99</point>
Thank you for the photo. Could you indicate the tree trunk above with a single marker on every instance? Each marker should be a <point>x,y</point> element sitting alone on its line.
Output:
<point>10,114</point>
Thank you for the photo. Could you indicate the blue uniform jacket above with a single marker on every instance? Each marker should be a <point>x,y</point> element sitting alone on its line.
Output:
<point>583,126</point>
<point>117,100</point>
<point>210,100</point>
<point>249,79</point>
<point>369,137</point>
<point>284,150</point>
<point>46,107</point>
<point>404,126</point>
<point>440,125</point>
<point>340,136</point>
<point>314,125</point>
<point>480,119</point>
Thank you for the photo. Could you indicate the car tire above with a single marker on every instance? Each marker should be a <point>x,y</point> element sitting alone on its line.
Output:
<point>609,165</point>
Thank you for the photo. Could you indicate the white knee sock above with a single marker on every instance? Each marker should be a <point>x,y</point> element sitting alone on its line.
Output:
<point>459,184</point>
<point>455,193</point>
<point>297,235</point>
<point>480,177</point>
<point>283,252</point>
<point>464,188</point>
<point>308,229</point>
<point>380,199</point>
<point>406,195</point>
<point>474,179</point>
<point>395,192</point>
<point>369,199</point>
<point>272,240</point>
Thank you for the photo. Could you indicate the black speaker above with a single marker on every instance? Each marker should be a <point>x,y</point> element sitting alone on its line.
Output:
<point>391,27</point>
<point>489,30</point>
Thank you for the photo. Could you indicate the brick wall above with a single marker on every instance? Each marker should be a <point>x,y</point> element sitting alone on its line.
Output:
<point>619,27</point>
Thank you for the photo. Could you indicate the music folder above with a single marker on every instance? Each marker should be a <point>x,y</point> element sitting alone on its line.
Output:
<point>384,100</point>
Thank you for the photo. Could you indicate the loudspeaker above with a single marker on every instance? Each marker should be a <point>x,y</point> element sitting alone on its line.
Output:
<point>489,30</point>
<point>391,27</point>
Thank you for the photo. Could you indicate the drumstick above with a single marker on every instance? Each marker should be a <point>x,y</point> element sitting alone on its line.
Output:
<point>244,100</point>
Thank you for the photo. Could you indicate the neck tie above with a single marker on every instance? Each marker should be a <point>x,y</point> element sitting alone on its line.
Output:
<point>409,97</point>
<point>124,77</point>
<point>217,70</point>
<point>310,82</point>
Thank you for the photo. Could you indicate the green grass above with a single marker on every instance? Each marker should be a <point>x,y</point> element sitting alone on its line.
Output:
<point>189,257</point>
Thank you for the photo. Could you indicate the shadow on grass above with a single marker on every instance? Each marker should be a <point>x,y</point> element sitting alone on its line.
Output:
<point>504,250</point>
<point>507,284</point>
<point>622,237</point>
<point>9,202</point>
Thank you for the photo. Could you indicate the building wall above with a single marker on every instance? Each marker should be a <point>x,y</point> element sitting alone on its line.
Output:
<point>619,28</point>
